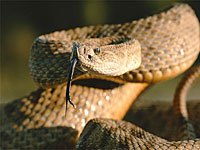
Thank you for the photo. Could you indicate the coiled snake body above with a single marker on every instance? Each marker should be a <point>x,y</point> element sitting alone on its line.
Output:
<point>169,44</point>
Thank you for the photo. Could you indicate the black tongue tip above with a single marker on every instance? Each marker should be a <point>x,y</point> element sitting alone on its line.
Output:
<point>68,99</point>
<point>72,104</point>
<point>70,76</point>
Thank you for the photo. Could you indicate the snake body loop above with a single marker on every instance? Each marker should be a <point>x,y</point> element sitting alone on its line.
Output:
<point>169,45</point>
<point>114,134</point>
<point>186,131</point>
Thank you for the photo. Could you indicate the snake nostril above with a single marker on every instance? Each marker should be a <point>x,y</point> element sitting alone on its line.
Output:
<point>89,56</point>
<point>84,50</point>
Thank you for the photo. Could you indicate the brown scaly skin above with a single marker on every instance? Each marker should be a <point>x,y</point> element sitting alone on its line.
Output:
<point>111,134</point>
<point>169,46</point>
<point>65,137</point>
<point>186,131</point>
<point>36,121</point>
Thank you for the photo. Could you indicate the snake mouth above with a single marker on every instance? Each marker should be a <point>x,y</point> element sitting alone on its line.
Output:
<point>83,68</point>
<point>76,55</point>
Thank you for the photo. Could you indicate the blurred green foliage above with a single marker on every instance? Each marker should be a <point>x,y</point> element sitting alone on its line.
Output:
<point>22,22</point>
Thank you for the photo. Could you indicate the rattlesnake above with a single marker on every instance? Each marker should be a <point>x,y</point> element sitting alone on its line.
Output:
<point>169,45</point>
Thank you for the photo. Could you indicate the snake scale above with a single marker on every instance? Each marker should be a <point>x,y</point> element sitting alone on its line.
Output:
<point>169,45</point>
<point>124,135</point>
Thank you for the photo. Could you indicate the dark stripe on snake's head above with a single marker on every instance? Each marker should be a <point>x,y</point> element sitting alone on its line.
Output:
<point>73,63</point>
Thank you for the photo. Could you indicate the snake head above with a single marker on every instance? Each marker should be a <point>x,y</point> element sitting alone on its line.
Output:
<point>109,57</point>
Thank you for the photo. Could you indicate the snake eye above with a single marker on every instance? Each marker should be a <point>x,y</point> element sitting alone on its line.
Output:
<point>97,50</point>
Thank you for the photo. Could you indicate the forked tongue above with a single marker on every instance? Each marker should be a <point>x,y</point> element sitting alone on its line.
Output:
<point>73,62</point>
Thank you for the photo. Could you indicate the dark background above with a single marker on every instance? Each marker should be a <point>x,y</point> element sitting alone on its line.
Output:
<point>22,22</point>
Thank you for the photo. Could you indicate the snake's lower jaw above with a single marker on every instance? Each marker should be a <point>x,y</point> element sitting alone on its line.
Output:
<point>82,68</point>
